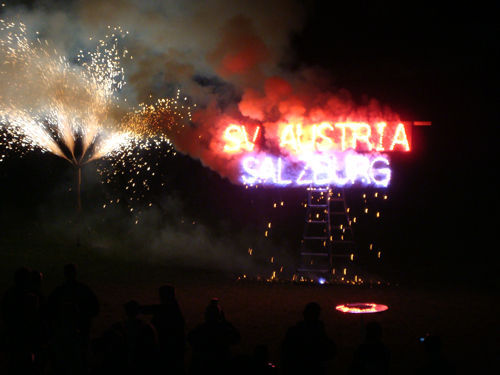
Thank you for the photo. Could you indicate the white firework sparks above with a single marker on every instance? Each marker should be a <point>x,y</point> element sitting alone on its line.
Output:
<point>73,110</point>
<point>50,104</point>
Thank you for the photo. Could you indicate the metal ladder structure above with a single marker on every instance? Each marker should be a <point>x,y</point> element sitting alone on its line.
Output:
<point>327,244</point>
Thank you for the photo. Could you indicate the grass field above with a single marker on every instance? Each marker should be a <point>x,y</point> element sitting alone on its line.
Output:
<point>466,318</point>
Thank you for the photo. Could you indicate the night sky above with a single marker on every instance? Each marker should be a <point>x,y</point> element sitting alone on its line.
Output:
<point>428,63</point>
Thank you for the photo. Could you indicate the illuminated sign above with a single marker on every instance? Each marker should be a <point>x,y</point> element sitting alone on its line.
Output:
<point>340,154</point>
<point>339,169</point>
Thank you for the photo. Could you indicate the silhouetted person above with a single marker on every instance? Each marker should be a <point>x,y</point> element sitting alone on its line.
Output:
<point>307,347</point>
<point>211,342</point>
<point>140,342</point>
<point>22,315</point>
<point>71,307</point>
<point>169,324</point>
<point>436,362</point>
<point>372,356</point>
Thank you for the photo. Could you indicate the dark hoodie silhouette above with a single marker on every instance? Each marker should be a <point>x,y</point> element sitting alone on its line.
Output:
<point>71,307</point>
<point>211,342</point>
<point>140,342</point>
<point>307,347</point>
<point>169,323</point>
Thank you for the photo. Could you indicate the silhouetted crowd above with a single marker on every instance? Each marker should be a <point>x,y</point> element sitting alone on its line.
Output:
<point>52,336</point>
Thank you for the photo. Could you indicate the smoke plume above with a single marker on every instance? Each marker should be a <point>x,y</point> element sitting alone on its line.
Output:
<point>226,56</point>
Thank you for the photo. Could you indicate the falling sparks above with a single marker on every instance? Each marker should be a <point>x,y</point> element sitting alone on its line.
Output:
<point>360,229</point>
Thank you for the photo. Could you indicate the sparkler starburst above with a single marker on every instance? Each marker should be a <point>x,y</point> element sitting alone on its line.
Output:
<point>73,109</point>
<point>50,104</point>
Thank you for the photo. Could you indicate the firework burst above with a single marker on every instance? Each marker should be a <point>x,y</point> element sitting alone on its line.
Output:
<point>73,109</point>
<point>49,104</point>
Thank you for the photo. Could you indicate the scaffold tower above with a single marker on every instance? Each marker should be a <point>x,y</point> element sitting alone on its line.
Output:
<point>327,246</point>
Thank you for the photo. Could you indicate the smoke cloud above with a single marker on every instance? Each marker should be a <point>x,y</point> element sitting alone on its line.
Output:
<point>162,234</point>
<point>226,56</point>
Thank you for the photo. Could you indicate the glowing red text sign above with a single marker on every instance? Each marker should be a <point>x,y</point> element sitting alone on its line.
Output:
<point>323,137</point>
<point>340,154</point>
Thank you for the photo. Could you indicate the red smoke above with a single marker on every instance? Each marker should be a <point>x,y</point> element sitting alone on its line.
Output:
<point>240,53</point>
<point>279,102</point>
<point>240,58</point>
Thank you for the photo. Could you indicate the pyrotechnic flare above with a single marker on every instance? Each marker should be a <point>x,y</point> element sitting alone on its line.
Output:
<point>70,110</point>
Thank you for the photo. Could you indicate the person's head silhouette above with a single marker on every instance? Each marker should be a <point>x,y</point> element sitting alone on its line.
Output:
<point>311,312</point>
<point>213,312</point>
<point>70,272</point>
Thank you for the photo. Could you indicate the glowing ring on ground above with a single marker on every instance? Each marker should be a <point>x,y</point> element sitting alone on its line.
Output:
<point>361,308</point>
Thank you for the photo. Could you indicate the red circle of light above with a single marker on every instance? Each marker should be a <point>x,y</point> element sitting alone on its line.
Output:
<point>361,308</point>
